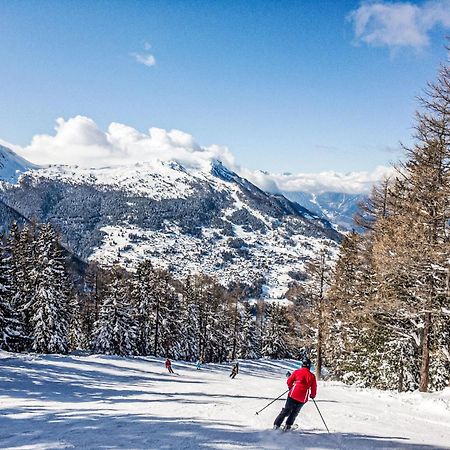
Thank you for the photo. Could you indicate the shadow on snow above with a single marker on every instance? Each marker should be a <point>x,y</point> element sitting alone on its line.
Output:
<point>101,431</point>
<point>81,425</point>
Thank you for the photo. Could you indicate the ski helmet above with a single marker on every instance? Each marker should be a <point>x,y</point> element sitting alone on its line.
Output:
<point>306,363</point>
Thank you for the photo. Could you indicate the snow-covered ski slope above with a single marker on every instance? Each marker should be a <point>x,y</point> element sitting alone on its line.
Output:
<point>100,402</point>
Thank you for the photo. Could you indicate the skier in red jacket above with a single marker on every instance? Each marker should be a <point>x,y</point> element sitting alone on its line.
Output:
<point>302,384</point>
<point>169,365</point>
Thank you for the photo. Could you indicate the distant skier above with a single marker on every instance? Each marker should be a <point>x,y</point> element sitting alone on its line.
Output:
<point>199,364</point>
<point>234,371</point>
<point>301,383</point>
<point>169,366</point>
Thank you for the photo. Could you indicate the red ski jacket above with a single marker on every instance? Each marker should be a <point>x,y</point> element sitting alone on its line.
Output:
<point>168,363</point>
<point>301,383</point>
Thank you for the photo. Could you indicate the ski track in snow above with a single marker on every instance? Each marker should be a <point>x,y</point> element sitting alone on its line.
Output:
<point>101,402</point>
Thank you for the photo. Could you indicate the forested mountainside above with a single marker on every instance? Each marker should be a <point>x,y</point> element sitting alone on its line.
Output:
<point>188,221</point>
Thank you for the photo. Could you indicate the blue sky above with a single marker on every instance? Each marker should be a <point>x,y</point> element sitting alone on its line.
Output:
<point>287,86</point>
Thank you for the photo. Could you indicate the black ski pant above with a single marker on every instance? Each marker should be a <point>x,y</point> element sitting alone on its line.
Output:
<point>290,410</point>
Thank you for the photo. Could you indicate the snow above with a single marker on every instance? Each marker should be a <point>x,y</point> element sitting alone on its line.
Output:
<point>269,254</point>
<point>12,165</point>
<point>157,180</point>
<point>99,402</point>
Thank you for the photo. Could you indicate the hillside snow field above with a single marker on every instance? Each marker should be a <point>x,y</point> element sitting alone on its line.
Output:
<point>101,402</point>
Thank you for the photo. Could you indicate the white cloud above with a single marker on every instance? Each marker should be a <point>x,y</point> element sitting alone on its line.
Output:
<point>328,181</point>
<point>146,59</point>
<point>399,24</point>
<point>79,141</point>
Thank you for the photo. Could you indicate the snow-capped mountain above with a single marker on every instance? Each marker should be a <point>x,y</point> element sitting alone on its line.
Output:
<point>188,220</point>
<point>12,165</point>
<point>336,207</point>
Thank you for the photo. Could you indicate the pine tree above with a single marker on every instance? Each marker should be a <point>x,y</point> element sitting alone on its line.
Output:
<point>170,332</point>
<point>76,336</point>
<point>224,323</point>
<point>114,331</point>
<point>23,272</point>
<point>249,338</point>
<point>143,294</point>
<point>189,322</point>
<point>49,305</point>
<point>275,340</point>
<point>163,314</point>
<point>10,330</point>
<point>89,299</point>
<point>207,307</point>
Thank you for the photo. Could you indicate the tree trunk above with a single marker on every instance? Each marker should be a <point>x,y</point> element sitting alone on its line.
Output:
<point>425,364</point>
<point>155,349</point>
<point>319,352</point>
<point>96,302</point>
<point>401,377</point>
<point>320,321</point>
<point>233,353</point>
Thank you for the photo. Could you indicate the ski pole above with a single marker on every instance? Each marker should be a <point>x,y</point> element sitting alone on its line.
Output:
<point>274,400</point>
<point>318,410</point>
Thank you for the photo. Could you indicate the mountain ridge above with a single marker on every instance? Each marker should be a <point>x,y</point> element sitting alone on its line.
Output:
<point>186,220</point>
<point>12,165</point>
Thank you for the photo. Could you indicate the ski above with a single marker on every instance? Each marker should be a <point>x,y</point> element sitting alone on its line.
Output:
<point>283,429</point>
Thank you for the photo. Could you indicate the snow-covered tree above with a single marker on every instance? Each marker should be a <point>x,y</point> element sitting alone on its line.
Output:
<point>10,330</point>
<point>114,331</point>
<point>49,304</point>
<point>170,332</point>
<point>249,338</point>
<point>275,340</point>
<point>143,294</point>
<point>348,297</point>
<point>189,322</point>
<point>76,335</point>
<point>21,243</point>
